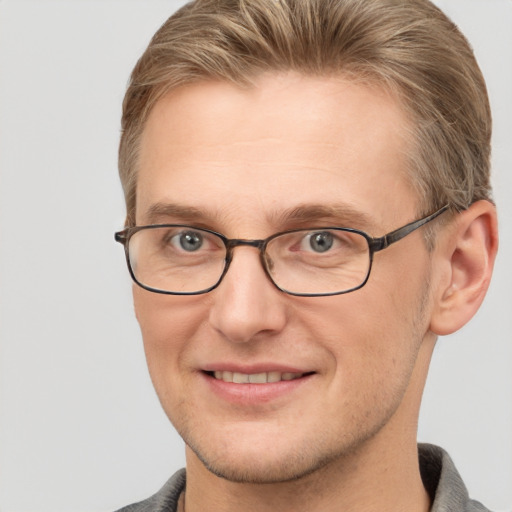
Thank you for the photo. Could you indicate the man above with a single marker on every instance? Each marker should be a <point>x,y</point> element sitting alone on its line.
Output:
<point>308,208</point>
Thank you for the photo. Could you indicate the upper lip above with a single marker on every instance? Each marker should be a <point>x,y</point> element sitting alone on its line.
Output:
<point>253,368</point>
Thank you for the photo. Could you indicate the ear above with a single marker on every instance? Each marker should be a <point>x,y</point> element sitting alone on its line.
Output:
<point>467,251</point>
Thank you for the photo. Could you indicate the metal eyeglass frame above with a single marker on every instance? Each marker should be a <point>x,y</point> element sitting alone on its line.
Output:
<point>374,245</point>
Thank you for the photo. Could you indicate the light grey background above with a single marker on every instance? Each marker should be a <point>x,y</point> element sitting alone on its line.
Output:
<point>80,427</point>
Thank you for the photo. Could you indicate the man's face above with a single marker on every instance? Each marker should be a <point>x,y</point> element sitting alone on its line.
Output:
<point>244,162</point>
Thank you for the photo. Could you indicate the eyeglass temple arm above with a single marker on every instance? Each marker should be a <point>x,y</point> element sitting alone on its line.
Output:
<point>121,237</point>
<point>377,244</point>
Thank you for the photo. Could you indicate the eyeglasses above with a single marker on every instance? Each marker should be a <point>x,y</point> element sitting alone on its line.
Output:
<point>179,259</point>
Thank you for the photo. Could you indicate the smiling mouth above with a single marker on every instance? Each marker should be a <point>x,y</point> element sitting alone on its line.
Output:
<point>256,378</point>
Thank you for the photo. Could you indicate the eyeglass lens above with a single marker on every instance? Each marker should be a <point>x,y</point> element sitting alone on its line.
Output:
<point>177,259</point>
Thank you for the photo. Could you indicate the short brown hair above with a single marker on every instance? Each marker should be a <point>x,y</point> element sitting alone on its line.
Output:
<point>409,47</point>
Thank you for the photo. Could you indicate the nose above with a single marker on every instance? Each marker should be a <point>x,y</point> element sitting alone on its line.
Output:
<point>246,305</point>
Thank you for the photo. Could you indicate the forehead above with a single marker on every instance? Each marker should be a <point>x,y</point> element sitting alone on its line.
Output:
<point>289,140</point>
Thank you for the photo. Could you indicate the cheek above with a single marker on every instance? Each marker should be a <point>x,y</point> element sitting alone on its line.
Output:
<point>373,334</point>
<point>167,323</point>
<point>374,360</point>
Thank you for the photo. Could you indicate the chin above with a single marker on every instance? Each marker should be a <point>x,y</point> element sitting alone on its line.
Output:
<point>267,458</point>
<point>267,468</point>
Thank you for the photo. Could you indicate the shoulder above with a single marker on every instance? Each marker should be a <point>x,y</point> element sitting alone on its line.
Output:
<point>165,500</point>
<point>444,483</point>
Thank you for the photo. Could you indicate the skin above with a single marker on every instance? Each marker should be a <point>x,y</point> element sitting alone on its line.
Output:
<point>346,434</point>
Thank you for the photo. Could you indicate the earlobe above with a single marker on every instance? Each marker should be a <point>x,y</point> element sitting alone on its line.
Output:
<point>468,254</point>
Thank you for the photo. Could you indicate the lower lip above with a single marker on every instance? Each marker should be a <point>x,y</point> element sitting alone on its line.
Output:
<point>253,394</point>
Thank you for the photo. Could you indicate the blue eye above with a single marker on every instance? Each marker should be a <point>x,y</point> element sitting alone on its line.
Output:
<point>321,242</point>
<point>189,241</point>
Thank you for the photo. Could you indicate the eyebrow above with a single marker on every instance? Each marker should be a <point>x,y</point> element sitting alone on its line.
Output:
<point>161,211</point>
<point>342,215</point>
<point>339,215</point>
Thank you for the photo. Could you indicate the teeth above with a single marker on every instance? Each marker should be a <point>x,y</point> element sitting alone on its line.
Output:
<point>273,377</point>
<point>240,378</point>
<point>256,378</point>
